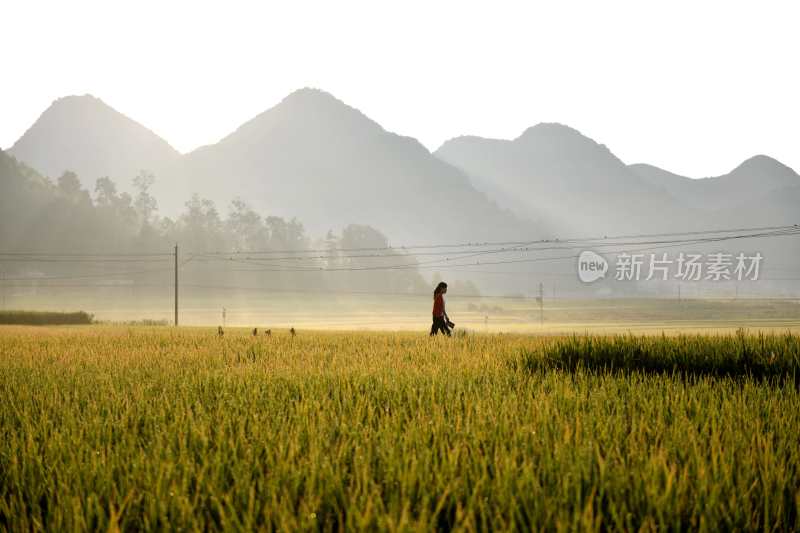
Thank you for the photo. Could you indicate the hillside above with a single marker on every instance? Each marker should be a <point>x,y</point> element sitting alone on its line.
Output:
<point>313,157</point>
<point>576,182</point>
<point>85,135</point>
<point>755,178</point>
<point>25,197</point>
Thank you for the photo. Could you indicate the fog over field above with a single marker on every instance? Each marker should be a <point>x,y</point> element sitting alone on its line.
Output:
<point>313,197</point>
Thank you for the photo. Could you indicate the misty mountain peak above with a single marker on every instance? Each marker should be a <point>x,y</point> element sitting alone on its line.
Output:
<point>551,129</point>
<point>575,148</point>
<point>70,113</point>
<point>306,111</point>
<point>763,166</point>
<point>73,104</point>
<point>315,157</point>
<point>466,143</point>
<point>85,135</point>
<point>88,120</point>
<point>312,96</point>
<point>78,100</point>
<point>757,179</point>
<point>553,134</point>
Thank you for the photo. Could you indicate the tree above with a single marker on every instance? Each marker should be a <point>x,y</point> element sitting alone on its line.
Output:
<point>285,235</point>
<point>105,191</point>
<point>70,188</point>
<point>246,227</point>
<point>145,204</point>
<point>69,184</point>
<point>115,214</point>
<point>361,236</point>
<point>200,227</point>
<point>374,265</point>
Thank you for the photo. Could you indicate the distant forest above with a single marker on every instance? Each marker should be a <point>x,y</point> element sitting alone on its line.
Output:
<point>59,231</point>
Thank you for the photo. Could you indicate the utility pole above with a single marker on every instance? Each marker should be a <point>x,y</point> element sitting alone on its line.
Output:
<point>541,304</point>
<point>3,289</point>
<point>176,284</point>
<point>679,293</point>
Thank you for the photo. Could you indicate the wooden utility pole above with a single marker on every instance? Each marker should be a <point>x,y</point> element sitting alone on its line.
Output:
<point>176,284</point>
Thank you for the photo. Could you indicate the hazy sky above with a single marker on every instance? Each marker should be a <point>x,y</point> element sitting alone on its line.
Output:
<point>694,87</point>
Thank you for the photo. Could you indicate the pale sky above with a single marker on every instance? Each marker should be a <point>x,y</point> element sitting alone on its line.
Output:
<point>694,87</point>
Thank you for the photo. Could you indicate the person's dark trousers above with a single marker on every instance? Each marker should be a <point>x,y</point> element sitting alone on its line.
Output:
<point>439,324</point>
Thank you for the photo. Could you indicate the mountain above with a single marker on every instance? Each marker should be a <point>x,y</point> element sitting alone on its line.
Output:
<point>575,182</point>
<point>755,178</point>
<point>316,158</point>
<point>85,135</point>
<point>759,192</point>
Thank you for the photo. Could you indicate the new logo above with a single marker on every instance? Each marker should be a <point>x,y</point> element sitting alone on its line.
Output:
<point>591,266</point>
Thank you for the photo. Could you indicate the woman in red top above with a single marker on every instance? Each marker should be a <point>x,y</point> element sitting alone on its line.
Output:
<point>440,319</point>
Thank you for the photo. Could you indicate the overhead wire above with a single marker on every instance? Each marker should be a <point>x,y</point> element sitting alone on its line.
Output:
<point>651,245</point>
<point>495,243</point>
<point>452,260</point>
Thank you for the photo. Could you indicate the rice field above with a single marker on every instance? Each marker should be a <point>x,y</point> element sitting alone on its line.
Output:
<point>148,428</point>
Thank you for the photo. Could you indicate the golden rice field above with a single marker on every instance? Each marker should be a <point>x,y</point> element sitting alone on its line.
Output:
<point>136,428</point>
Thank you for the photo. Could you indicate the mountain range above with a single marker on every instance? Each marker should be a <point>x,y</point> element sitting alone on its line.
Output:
<point>316,158</point>
<point>574,182</point>
<point>311,156</point>
<point>760,191</point>
<point>580,186</point>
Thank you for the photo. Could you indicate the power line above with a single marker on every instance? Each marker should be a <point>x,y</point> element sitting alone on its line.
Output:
<point>67,255</point>
<point>506,246</point>
<point>494,243</point>
<point>621,250</point>
<point>70,260</point>
<point>520,249</point>
<point>294,259</point>
<point>440,264</point>
<point>91,276</point>
<point>437,264</point>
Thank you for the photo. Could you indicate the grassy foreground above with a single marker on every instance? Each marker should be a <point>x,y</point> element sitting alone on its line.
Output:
<point>148,428</point>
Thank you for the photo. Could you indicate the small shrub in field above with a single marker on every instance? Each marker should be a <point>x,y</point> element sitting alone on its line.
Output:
<point>44,318</point>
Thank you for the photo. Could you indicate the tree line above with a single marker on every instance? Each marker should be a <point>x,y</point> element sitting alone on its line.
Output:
<point>40,215</point>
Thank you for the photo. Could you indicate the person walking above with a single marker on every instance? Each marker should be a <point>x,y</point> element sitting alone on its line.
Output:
<point>441,322</point>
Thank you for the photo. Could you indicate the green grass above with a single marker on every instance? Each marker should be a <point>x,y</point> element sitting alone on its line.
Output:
<point>741,355</point>
<point>154,428</point>
<point>44,318</point>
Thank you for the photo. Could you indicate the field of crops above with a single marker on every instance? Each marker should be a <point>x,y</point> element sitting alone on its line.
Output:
<point>136,428</point>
